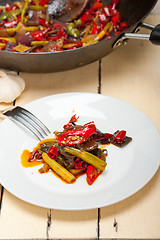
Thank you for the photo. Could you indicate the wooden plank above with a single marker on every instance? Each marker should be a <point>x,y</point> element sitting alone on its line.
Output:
<point>132,74</point>
<point>35,222</point>
<point>2,107</point>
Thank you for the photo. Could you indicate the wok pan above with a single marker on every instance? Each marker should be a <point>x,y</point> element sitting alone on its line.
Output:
<point>133,13</point>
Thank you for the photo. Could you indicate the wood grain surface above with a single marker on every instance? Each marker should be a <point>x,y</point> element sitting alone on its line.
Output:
<point>132,74</point>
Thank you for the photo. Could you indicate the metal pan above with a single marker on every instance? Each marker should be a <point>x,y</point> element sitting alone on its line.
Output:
<point>133,13</point>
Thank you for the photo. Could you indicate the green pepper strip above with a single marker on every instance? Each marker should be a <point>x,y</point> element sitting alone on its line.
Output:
<point>24,10</point>
<point>87,157</point>
<point>72,30</point>
<point>4,16</point>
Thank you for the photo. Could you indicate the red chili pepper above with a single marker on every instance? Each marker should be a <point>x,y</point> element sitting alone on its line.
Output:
<point>43,22</point>
<point>116,19</point>
<point>80,164</point>
<point>59,35</point>
<point>43,2</point>
<point>92,174</point>
<point>12,23</point>
<point>2,48</point>
<point>14,7</point>
<point>119,138</point>
<point>33,155</point>
<point>53,153</point>
<point>96,6</point>
<point>59,25</point>
<point>70,123</point>
<point>87,16</point>
<point>90,124</point>
<point>38,35</point>
<point>3,41</point>
<point>76,136</point>
<point>102,17</point>
<point>114,4</point>
<point>123,25</point>
<point>7,7</point>
<point>94,29</point>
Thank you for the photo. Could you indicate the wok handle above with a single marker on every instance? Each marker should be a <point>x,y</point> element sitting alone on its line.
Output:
<point>154,37</point>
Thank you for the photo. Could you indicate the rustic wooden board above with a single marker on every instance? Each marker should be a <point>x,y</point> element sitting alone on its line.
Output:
<point>36,222</point>
<point>132,74</point>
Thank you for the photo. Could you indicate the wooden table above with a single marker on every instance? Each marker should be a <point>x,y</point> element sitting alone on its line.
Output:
<point>132,73</point>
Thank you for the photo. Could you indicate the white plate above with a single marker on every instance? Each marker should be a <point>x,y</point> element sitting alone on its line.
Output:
<point>127,171</point>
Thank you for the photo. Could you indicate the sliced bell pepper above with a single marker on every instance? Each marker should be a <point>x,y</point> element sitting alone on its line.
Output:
<point>76,136</point>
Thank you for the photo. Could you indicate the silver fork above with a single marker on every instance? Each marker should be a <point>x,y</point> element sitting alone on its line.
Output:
<point>28,120</point>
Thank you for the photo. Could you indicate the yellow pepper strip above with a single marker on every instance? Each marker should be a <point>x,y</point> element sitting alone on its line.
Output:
<point>21,48</point>
<point>9,39</point>
<point>90,42</point>
<point>88,38</point>
<point>33,43</point>
<point>87,157</point>
<point>28,29</point>
<point>24,10</point>
<point>69,45</point>
<point>37,8</point>
<point>106,28</point>
<point>56,167</point>
<point>87,31</point>
<point>2,7</point>
<point>31,28</point>
<point>37,2</point>
<point>2,45</point>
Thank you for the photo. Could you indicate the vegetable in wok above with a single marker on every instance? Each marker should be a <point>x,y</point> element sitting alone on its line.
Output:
<point>27,27</point>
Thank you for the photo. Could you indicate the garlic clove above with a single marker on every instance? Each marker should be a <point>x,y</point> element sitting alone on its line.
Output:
<point>11,86</point>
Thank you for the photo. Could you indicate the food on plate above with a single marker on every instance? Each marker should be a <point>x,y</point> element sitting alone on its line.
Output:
<point>27,26</point>
<point>75,151</point>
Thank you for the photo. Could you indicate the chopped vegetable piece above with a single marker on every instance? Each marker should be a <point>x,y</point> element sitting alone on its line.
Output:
<point>87,157</point>
<point>92,174</point>
<point>77,136</point>
<point>61,171</point>
<point>21,48</point>
<point>9,39</point>
<point>39,43</point>
<point>24,10</point>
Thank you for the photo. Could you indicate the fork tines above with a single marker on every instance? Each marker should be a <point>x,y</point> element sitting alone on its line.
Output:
<point>28,120</point>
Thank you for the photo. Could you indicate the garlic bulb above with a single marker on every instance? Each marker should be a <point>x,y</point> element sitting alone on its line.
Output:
<point>11,86</point>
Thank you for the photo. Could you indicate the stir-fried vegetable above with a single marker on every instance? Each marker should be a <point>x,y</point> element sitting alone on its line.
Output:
<point>75,151</point>
<point>61,171</point>
<point>87,157</point>
<point>93,25</point>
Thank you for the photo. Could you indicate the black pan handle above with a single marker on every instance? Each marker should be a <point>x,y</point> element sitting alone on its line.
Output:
<point>154,37</point>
